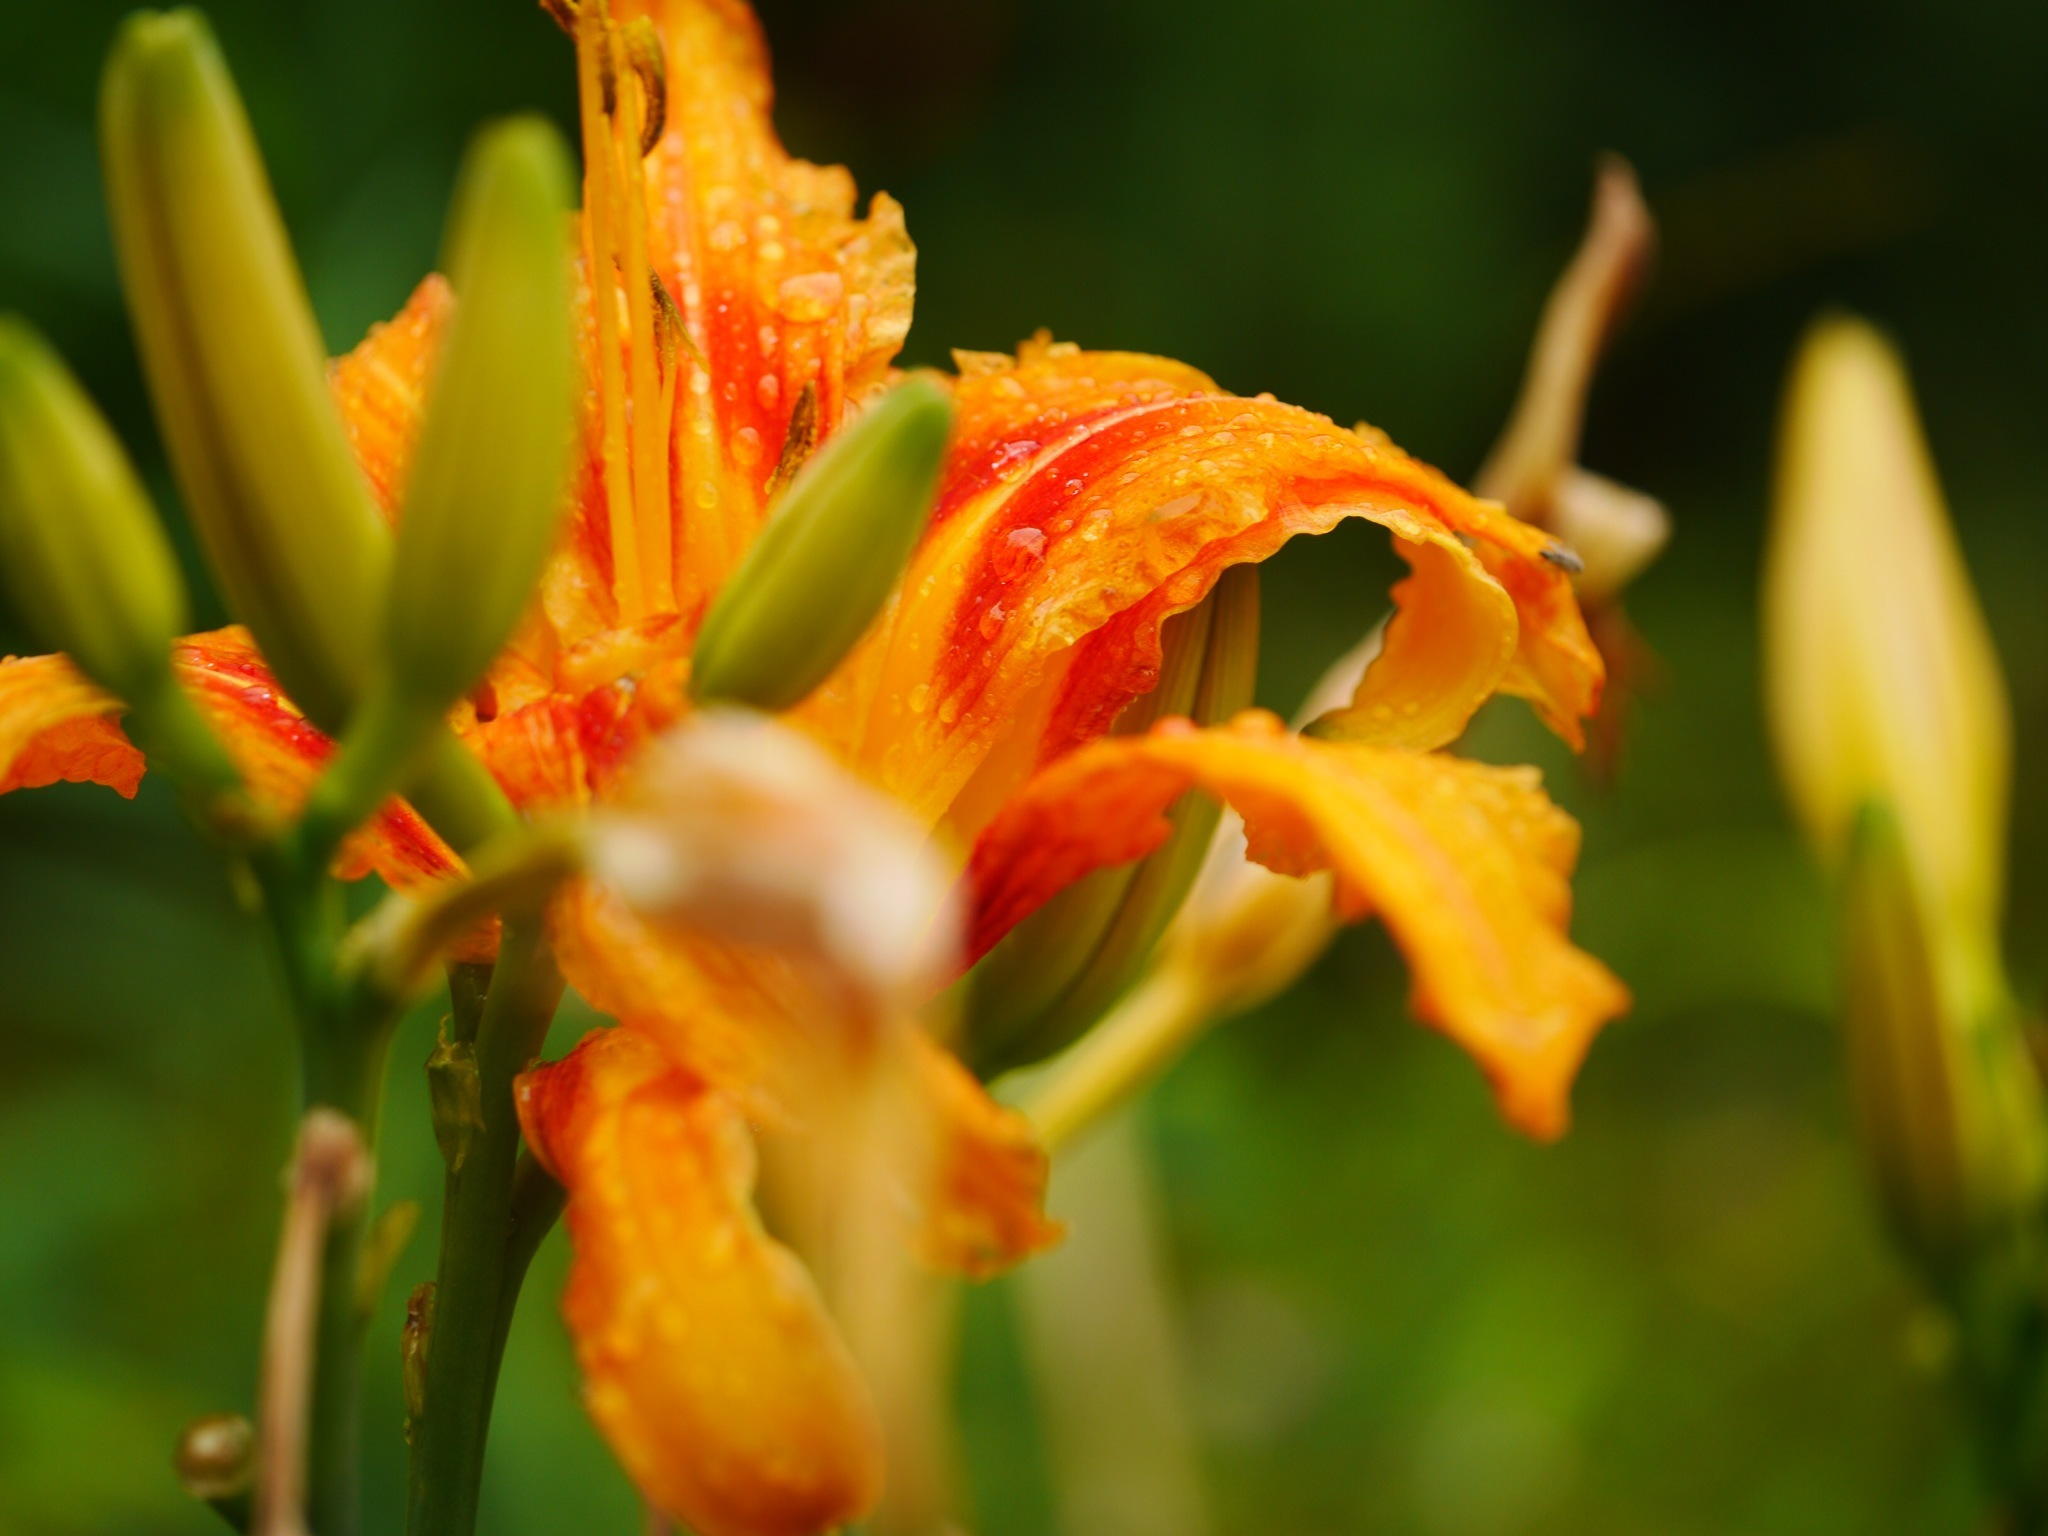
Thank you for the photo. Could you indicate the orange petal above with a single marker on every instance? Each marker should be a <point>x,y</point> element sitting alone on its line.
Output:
<point>1468,866</point>
<point>989,1211</point>
<point>749,1022</point>
<point>708,1359</point>
<point>54,725</point>
<point>1557,668</point>
<point>731,1014</point>
<point>1089,497</point>
<point>381,388</point>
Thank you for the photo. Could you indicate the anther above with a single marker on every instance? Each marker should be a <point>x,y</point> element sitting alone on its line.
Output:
<point>644,56</point>
<point>798,442</point>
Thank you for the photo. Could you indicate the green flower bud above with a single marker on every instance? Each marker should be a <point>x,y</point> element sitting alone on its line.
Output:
<point>485,493</point>
<point>236,365</point>
<point>82,555</point>
<point>1948,1098</point>
<point>1067,964</point>
<point>829,557</point>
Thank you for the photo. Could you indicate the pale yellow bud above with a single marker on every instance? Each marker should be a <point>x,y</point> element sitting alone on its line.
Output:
<point>1880,677</point>
<point>1947,1097</point>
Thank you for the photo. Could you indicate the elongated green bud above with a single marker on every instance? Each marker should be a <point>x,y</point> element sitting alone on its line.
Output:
<point>485,492</point>
<point>1063,967</point>
<point>236,365</point>
<point>86,563</point>
<point>829,557</point>
<point>81,553</point>
<point>1948,1099</point>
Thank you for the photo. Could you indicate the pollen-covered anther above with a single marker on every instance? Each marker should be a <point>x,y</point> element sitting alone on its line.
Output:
<point>798,442</point>
<point>641,45</point>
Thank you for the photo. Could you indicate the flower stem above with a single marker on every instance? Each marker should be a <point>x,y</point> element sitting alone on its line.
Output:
<point>1136,1041</point>
<point>478,1280</point>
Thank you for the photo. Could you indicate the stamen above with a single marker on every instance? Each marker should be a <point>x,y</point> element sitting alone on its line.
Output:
<point>650,427</point>
<point>673,334</point>
<point>594,75</point>
<point>674,340</point>
<point>798,442</point>
<point>564,12</point>
<point>644,56</point>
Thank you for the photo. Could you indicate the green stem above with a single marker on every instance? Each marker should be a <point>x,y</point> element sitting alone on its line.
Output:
<point>537,1202</point>
<point>478,1281</point>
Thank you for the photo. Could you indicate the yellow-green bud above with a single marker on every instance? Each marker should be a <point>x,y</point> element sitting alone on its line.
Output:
<point>829,557</point>
<point>1066,965</point>
<point>485,493</point>
<point>82,555</point>
<point>1948,1098</point>
<point>236,365</point>
<point>1880,676</point>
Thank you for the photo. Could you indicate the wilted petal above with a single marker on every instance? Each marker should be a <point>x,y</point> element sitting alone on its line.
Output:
<point>1539,449</point>
<point>1466,864</point>
<point>708,1358</point>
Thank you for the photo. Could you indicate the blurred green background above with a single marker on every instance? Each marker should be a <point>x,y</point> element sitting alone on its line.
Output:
<point>1397,1317</point>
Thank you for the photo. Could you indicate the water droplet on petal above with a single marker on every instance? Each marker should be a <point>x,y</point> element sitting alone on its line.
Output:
<point>809,298</point>
<point>1021,549</point>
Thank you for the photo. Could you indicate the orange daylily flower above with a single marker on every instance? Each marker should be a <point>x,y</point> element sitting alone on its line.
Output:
<point>735,310</point>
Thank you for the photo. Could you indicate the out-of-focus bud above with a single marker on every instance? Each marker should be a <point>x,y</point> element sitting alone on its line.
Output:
<point>81,553</point>
<point>1064,966</point>
<point>215,1455</point>
<point>831,554</point>
<point>1880,677</point>
<point>86,563</point>
<point>216,1462</point>
<point>485,493</point>
<point>1947,1095</point>
<point>739,827</point>
<point>1889,718</point>
<point>236,364</point>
